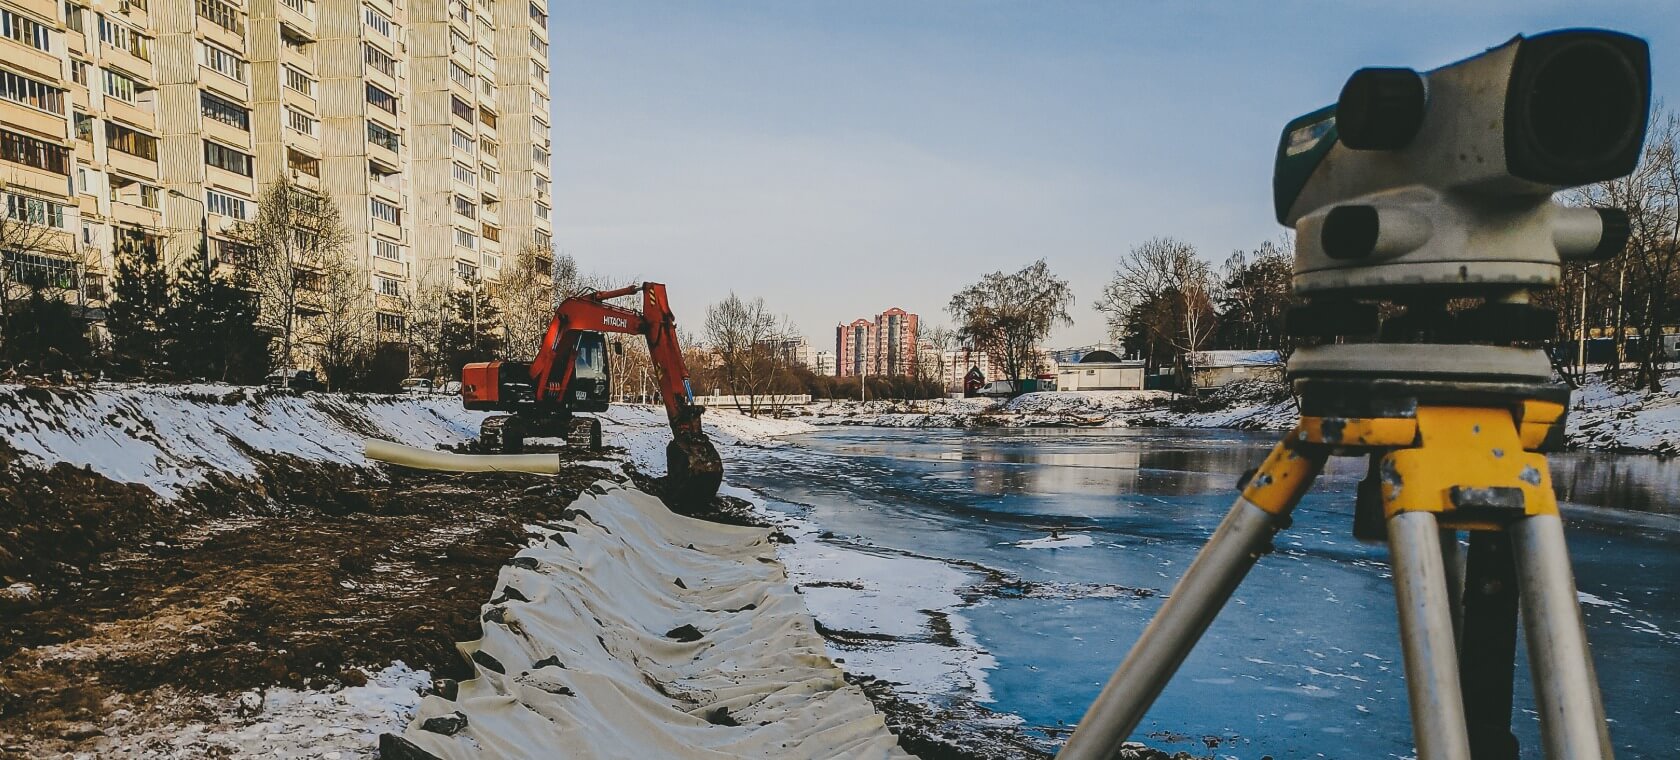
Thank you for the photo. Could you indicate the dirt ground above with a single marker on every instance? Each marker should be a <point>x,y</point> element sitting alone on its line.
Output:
<point>295,581</point>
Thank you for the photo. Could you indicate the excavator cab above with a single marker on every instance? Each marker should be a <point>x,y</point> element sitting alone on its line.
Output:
<point>589,390</point>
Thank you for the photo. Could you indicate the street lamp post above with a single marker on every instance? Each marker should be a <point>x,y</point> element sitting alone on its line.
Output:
<point>203,224</point>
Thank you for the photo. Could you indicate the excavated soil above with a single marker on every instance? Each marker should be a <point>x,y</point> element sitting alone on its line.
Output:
<point>297,579</point>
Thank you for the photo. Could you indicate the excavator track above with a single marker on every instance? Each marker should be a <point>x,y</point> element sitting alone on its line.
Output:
<point>501,434</point>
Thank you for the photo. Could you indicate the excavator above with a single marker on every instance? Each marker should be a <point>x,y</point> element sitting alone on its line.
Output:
<point>569,375</point>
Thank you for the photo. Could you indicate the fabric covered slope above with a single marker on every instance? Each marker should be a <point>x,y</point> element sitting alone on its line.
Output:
<point>632,632</point>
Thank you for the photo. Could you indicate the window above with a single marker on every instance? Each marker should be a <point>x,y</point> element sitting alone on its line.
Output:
<point>485,116</point>
<point>389,322</point>
<point>119,85</point>
<point>149,197</point>
<point>379,60</point>
<point>226,205</point>
<point>386,212</point>
<point>539,103</point>
<point>36,211</point>
<point>466,239</point>
<point>224,61</point>
<point>221,110</point>
<point>492,262</point>
<point>460,75</point>
<point>458,43</point>
<point>466,271</point>
<point>47,270</point>
<point>299,81</point>
<point>227,159</point>
<point>386,249</point>
<point>223,15</point>
<point>466,208</point>
<point>22,89</point>
<point>84,127</point>
<point>538,70</point>
<point>465,175</point>
<point>461,109</point>
<point>383,100</point>
<point>488,173</point>
<point>538,14</point>
<point>82,181</point>
<point>462,141</point>
<point>377,21</point>
<point>303,164</point>
<point>542,210</point>
<point>304,8</point>
<point>490,233</point>
<point>387,286</point>
<point>542,239</point>
<point>129,141</point>
<point>487,147</point>
<point>383,137</point>
<point>238,254</point>
<point>78,72</point>
<point>539,45</point>
<point>25,30</point>
<point>300,122</point>
<point>73,15</point>
<point>40,154</point>
<point>540,156</point>
<point>123,38</point>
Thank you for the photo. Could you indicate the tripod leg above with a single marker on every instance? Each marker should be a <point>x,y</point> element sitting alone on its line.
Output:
<point>1426,637</point>
<point>1565,687</point>
<point>1488,645</point>
<point>1244,535</point>
<point>1452,562</point>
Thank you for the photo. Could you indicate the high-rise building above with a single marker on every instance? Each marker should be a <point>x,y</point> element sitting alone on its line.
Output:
<point>426,121</point>
<point>885,345</point>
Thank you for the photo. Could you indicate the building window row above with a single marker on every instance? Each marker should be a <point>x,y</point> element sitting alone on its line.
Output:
<point>462,141</point>
<point>300,122</point>
<point>123,38</point>
<point>460,75</point>
<point>384,138</point>
<point>377,21</point>
<point>465,174</point>
<point>490,233</point>
<point>223,15</point>
<point>119,137</point>
<point>466,239</point>
<point>53,271</point>
<point>461,108</point>
<point>40,154</point>
<point>387,249</point>
<point>385,212</point>
<point>488,173</point>
<point>25,30</point>
<point>225,112</point>
<point>466,208</point>
<point>539,44</point>
<point>305,8</point>
<point>120,86</point>
<point>303,164</point>
<point>35,211</point>
<point>379,60</point>
<point>227,159</point>
<point>226,205</point>
<point>22,89</point>
<point>387,286</point>
<point>393,323</point>
<point>381,99</point>
<point>223,61</point>
<point>300,82</point>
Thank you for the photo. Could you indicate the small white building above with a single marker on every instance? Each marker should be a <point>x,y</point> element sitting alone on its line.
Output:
<point>1100,371</point>
<point>1212,369</point>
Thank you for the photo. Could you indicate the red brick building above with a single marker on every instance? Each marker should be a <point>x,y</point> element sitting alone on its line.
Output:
<point>886,346</point>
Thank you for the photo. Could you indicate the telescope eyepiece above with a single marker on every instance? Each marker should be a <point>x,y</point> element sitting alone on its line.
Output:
<point>1380,108</point>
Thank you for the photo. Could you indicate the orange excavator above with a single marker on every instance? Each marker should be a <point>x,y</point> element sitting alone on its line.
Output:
<point>570,375</point>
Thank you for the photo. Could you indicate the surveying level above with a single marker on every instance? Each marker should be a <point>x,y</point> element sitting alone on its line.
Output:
<point>1413,192</point>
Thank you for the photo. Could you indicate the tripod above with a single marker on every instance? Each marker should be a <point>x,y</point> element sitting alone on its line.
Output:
<point>1453,435</point>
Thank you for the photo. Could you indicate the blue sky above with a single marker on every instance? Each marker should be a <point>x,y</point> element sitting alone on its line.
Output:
<point>841,158</point>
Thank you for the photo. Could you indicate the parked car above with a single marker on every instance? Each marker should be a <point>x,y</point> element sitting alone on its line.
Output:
<point>418,386</point>
<point>998,389</point>
<point>296,379</point>
<point>452,388</point>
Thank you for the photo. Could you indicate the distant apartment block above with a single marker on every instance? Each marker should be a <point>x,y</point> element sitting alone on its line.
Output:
<point>427,123</point>
<point>886,345</point>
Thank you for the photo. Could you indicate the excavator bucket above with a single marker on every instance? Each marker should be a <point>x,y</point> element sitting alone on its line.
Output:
<point>695,471</point>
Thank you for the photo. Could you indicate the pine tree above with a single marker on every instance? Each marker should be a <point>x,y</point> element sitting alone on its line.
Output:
<point>45,333</point>
<point>135,316</point>
<point>473,332</point>
<point>211,326</point>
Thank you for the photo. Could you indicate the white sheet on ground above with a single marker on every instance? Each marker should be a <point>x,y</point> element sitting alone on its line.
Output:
<point>602,600</point>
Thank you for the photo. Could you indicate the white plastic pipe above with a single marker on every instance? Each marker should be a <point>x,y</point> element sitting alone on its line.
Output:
<point>409,456</point>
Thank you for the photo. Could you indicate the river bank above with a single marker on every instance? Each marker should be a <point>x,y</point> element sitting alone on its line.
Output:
<point>1602,417</point>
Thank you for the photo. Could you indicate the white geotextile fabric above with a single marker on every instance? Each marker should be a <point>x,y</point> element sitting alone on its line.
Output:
<point>602,600</point>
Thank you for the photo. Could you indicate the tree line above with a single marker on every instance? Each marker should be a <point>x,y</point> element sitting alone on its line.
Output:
<point>290,291</point>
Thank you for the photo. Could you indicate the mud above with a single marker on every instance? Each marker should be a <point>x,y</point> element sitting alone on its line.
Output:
<point>299,578</point>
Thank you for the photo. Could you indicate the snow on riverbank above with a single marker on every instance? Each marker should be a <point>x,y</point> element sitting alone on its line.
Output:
<point>1604,417</point>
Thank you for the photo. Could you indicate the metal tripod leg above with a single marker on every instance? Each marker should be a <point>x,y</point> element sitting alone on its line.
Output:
<point>1244,535</point>
<point>1487,645</point>
<point>1572,725</point>
<point>1426,637</point>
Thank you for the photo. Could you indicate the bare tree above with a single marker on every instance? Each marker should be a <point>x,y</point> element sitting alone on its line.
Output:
<point>28,227</point>
<point>1161,296</point>
<point>940,340</point>
<point>342,332</point>
<point>296,236</point>
<point>1007,314</point>
<point>1647,272</point>
<point>525,292</point>
<point>739,332</point>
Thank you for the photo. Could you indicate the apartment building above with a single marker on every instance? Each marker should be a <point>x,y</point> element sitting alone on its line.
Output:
<point>425,120</point>
<point>885,345</point>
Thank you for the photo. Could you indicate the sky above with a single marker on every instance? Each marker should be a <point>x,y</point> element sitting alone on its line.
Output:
<point>841,158</point>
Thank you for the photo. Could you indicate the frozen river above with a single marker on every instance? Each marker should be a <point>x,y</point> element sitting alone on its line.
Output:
<point>1304,661</point>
